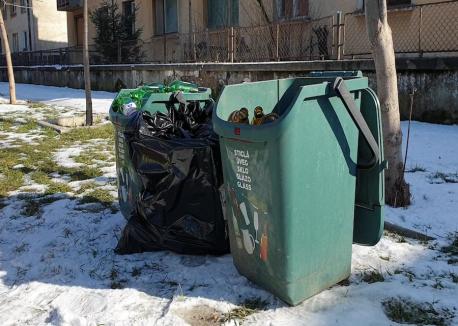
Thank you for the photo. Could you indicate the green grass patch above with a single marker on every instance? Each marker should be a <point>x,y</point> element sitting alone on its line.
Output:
<point>33,205</point>
<point>85,187</point>
<point>53,187</point>
<point>10,180</point>
<point>6,125</point>
<point>88,157</point>
<point>57,188</point>
<point>104,131</point>
<point>372,276</point>
<point>101,196</point>
<point>454,277</point>
<point>38,158</point>
<point>406,311</point>
<point>26,127</point>
<point>248,307</point>
<point>452,249</point>
<point>445,177</point>
<point>36,105</point>
<point>416,168</point>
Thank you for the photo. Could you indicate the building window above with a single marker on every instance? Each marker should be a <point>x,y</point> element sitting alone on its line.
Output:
<point>390,4</point>
<point>166,16</point>
<point>23,6</point>
<point>287,9</point>
<point>79,29</point>
<point>398,3</point>
<point>25,41</point>
<point>222,13</point>
<point>128,13</point>
<point>15,42</point>
<point>13,8</point>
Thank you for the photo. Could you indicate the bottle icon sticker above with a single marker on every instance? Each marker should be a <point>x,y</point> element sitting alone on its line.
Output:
<point>249,242</point>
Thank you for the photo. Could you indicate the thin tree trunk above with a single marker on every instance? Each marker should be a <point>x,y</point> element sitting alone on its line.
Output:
<point>9,62</point>
<point>87,73</point>
<point>396,190</point>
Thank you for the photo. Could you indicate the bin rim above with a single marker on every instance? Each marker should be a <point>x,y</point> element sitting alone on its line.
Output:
<point>119,119</point>
<point>273,130</point>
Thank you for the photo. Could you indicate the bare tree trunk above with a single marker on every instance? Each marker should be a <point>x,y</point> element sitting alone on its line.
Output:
<point>87,73</point>
<point>9,63</point>
<point>396,190</point>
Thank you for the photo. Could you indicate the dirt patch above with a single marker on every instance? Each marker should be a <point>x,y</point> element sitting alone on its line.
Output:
<point>200,315</point>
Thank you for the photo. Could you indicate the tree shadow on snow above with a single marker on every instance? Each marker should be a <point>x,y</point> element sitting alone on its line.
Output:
<point>69,241</point>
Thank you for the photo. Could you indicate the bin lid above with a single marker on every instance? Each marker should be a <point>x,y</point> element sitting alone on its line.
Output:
<point>370,187</point>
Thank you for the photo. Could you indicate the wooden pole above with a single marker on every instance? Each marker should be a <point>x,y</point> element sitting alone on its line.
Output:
<point>9,62</point>
<point>189,30</point>
<point>87,73</point>
<point>163,30</point>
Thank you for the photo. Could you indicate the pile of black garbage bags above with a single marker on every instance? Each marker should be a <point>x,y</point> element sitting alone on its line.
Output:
<point>176,155</point>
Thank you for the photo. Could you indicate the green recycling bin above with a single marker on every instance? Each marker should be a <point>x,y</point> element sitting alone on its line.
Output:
<point>298,191</point>
<point>129,185</point>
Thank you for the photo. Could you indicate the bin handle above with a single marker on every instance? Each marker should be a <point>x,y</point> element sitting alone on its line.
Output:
<point>358,119</point>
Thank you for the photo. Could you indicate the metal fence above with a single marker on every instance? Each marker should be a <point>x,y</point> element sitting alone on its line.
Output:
<point>430,28</point>
<point>295,40</point>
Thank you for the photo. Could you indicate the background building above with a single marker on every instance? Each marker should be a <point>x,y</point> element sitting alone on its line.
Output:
<point>34,25</point>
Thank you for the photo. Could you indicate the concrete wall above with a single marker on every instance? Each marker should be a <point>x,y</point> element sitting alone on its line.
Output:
<point>435,79</point>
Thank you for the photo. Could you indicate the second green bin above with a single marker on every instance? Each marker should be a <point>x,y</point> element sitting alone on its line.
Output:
<point>128,180</point>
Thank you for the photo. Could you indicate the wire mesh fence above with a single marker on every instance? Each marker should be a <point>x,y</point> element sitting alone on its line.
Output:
<point>297,40</point>
<point>416,29</point>
<point>428,28</point>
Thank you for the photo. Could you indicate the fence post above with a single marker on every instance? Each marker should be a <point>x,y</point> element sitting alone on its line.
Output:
<point>232,43</point>
<point>118,47</point>
<point>194,52</point>
<point>420,23</point>
<point>277,42</point>
<point>339,44</point>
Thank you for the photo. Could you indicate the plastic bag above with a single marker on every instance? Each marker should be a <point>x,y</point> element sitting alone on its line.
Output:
<point>176,156</point>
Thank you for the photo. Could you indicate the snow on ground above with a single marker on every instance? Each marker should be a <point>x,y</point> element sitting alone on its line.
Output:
<point>57,265</point>
<point>57,96</point>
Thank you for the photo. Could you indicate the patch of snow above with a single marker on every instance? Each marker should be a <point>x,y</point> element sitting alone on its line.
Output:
<point>63,157</point>
<point>59,96</point>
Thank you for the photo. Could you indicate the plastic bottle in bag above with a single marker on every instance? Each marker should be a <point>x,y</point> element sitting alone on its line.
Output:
<point>154,88</point>
<point>129,108</point>
<point>185,87</point>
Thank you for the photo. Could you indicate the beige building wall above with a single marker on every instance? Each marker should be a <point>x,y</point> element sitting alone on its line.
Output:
<point>323,8</point>
<point>250,13</point>
<point>438,29</point>
<point>46,27</point>
<point>50,25</point>
<point>16,25</point>
<point>404,24</point>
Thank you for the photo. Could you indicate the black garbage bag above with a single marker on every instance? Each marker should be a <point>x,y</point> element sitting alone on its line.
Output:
<point>176,156</point>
